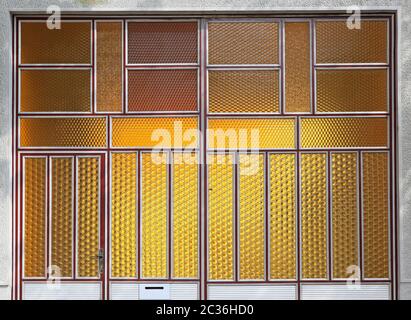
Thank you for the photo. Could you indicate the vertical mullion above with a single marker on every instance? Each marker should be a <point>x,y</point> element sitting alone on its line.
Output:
<point>48,216</point>
<point>170,213</point>
<point>237,246</point>
<point>267,214</point>
<point>329,218</point>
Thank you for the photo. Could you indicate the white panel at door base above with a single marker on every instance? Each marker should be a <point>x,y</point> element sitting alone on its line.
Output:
<point>169,291</point>
<point>61,291</point>
<point>252,292</point>
<point>345,292</point>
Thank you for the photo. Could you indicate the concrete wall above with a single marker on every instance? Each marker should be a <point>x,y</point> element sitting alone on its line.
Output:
<point>404,68</point>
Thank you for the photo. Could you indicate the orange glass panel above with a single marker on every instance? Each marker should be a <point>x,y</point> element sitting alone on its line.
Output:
<point>243,91</point>
<point>55,90</point>
<point>162,90</point>
<point>243,43</point>
<point>71,44</point>
<point>352,90</point>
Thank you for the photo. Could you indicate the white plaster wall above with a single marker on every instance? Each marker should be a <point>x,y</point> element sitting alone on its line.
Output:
<point>404,68</point>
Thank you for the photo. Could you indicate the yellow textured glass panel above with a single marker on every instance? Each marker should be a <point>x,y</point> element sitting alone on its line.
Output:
<point>154,216</point>
<point>251,133</point>
<point>54,90</point>
<point>344,213</point>
<point>34,217</point>
<point>159,132</point>
<point>185,217</point>
<point>62,215</point>
<point>375,215</point>
<point>243,91</point>
<point>123,215</point>
<point>282,216</point>
<point>252,217</point>
<point>63,132</point>
<point>243,42</point>
<point>220,217</point>
<point>344,132</point>
<point>70,44</point>
<point>109,66</point>
<point>297,67</point>
<point>352,90</point>
<point>314,215</point>
<point>88,211</point>
<point>336,43</point>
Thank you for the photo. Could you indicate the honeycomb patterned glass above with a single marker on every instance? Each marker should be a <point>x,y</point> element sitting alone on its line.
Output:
<point>71,44</point>
<point>154,213</point>
<point>314,215</point>
<point>282,216</point>
<point>162,42</point>
<point>336,43</point>
<point>88,220</point>
<point>250,133</point>
<point>123,215</point>
<point>344,132</point>
<point>109,66</point>
<point>62,215</point>
<point>352,90</point>
<point>63,132</point>
<point>252,217</point>
<point>162,90</point>
<point>185,217</point>
<point>375,205</point>
<point>239,91</point>
<point>35,217</point>
<point>220,217</point>
<point>297,67</point>
<point>243,43</point>
<point>155,132</point>
<point>345,218</point>
<point>60,90</point>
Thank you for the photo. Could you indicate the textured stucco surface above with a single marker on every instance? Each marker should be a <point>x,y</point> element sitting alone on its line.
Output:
<point>7,6</point>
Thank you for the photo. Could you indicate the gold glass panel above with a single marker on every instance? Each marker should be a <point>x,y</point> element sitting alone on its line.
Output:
<point>155,132</point>
<point>71,44</point>
<point>314,215</point>
<point>375,215</point>
<point>243,43</point>
<point>251,133</point>
<point>282,216</point>
<point>185,216</point>
<point>344,213</point>
<point>88,220</point>
<point>352,90</point>
<point>154,215</point>
<point>297,67</point>
<point>336,43</point>
<point>63,132</point>
<point>109,66</point>
<point>220,217</point>
<point>252,217</point>
<point>344,132</point>
<point>35,217</point>
<point>238,91</point>
<point>61,90</point>
<point>62,215</point>
<point>123,215</point>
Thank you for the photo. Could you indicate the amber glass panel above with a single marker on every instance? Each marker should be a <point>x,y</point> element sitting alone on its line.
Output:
<point>375,211</point>
<point>35,217</point>
<point>314,215</point>
<point>336,43</point>
<point>297,67</point>
<point>162,42</point>
<point>71,44</point>
<point>123,215</point>
<point>352,90</point>
<point>55,90</point>
<point>243,43</point>
<point>62,215</point>
<point>344,132</point>
<point>243,91</point>
<point>109,66</point>
<point>162,90</point>
<point>344,213</point>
